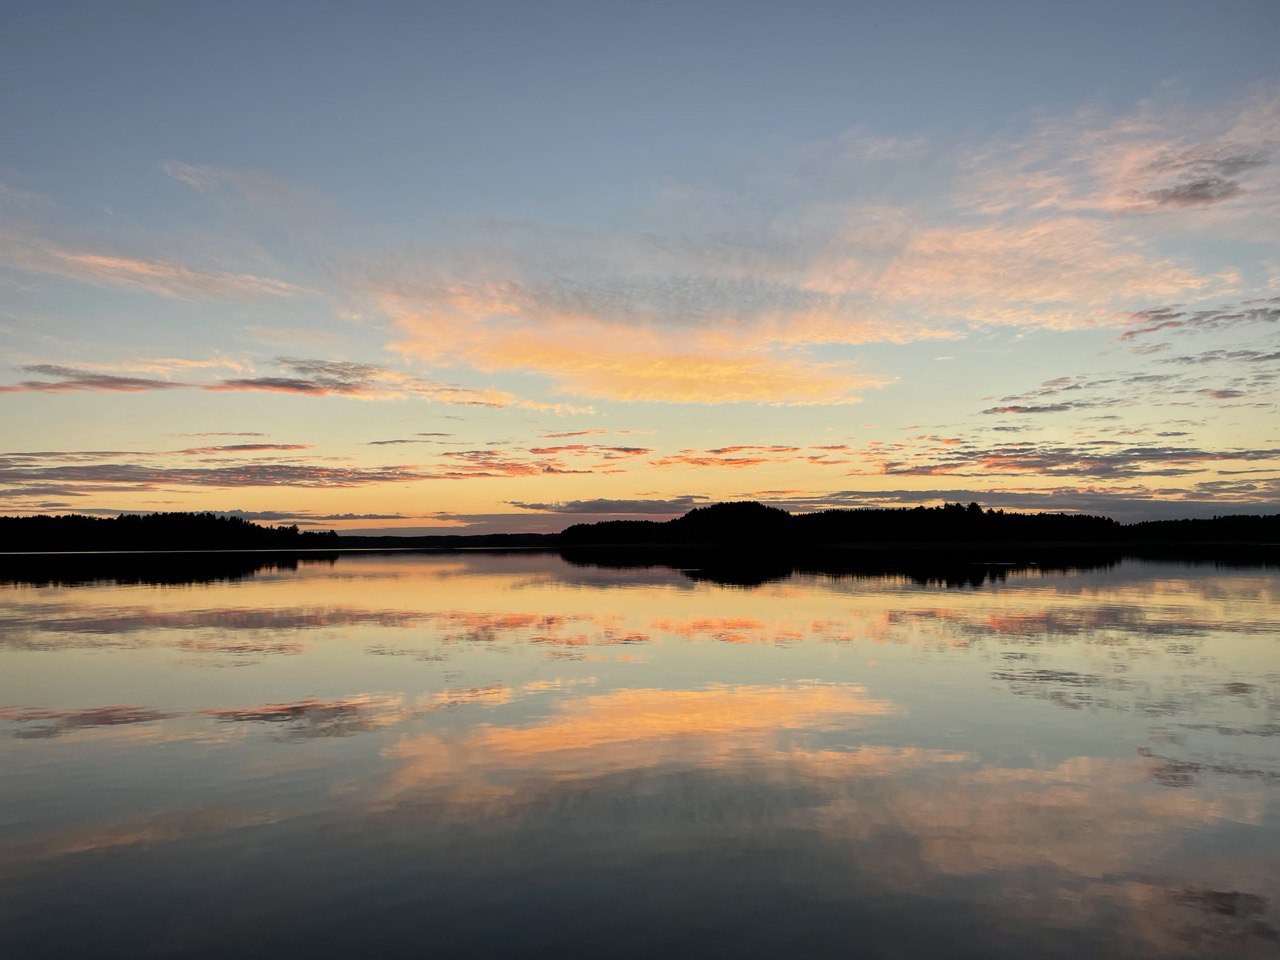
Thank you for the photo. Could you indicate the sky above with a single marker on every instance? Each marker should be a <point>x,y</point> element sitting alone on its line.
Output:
<point>468,268</point>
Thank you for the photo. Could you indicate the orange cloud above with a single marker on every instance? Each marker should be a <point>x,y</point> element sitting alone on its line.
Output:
<point>1063,272</point>
<point>495,327</point>
<point>1207,169</point>
<point>751,455</point>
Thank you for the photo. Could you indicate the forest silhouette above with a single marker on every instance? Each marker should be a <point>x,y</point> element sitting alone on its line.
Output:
<point>738,544</point>
<point>737,524</point>
<point>153,531</point>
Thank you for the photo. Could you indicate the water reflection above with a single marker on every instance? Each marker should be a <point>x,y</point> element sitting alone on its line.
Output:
<point>752,569</point>
<point>35,723</point>
<point>491,755</point>
<point>173,569</point>
<point>941,566</point>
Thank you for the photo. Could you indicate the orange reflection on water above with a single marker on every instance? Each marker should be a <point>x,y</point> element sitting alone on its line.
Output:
<point>632,729</point>
<point>1060,750</point>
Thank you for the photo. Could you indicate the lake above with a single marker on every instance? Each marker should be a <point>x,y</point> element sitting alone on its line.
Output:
<point>512,755</point>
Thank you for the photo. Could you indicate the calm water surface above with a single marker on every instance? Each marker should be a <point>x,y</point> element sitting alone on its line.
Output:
<point>508,755</point>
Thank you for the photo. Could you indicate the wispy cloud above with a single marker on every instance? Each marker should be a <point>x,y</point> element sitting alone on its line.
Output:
<point>69,379</point>
<point>1086,458</point>
<point>28,475</point>
<point>243,448</point>
<point>299,377</point>
<point>142,476</point>
<point>1181,319</point>
<point>747,456</point>
<point>593,449</point>
<point>224,433</point>
<point>572,433</point>
<point>254,187</point>
<point>162,278</point>
<point>672,506</point>
<point>1063,272</point>
<point>468,464</point>
<point>1160,158</point>
<point>319,378</point>
<point>1216,375</point>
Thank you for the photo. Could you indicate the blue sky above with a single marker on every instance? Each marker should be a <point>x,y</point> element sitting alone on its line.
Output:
<point>870,254</point>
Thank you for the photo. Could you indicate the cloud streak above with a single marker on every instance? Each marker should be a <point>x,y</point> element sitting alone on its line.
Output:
<point>71,379</point>
<point>1179,320</point>
<point>320,378</point>
<point>139,477</point>
<point>137,275</point>
<point>1090,458</point>
<point>299,377</point>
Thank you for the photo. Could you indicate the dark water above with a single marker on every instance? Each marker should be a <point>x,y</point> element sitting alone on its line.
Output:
<point>512,756</point>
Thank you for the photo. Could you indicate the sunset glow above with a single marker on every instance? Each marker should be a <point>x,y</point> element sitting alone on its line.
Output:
<point>752,244</point>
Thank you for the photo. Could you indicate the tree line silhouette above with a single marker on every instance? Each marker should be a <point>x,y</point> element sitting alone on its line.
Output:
<point>738,524</point>
<point>748,522</point>
<point>154,531</point>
